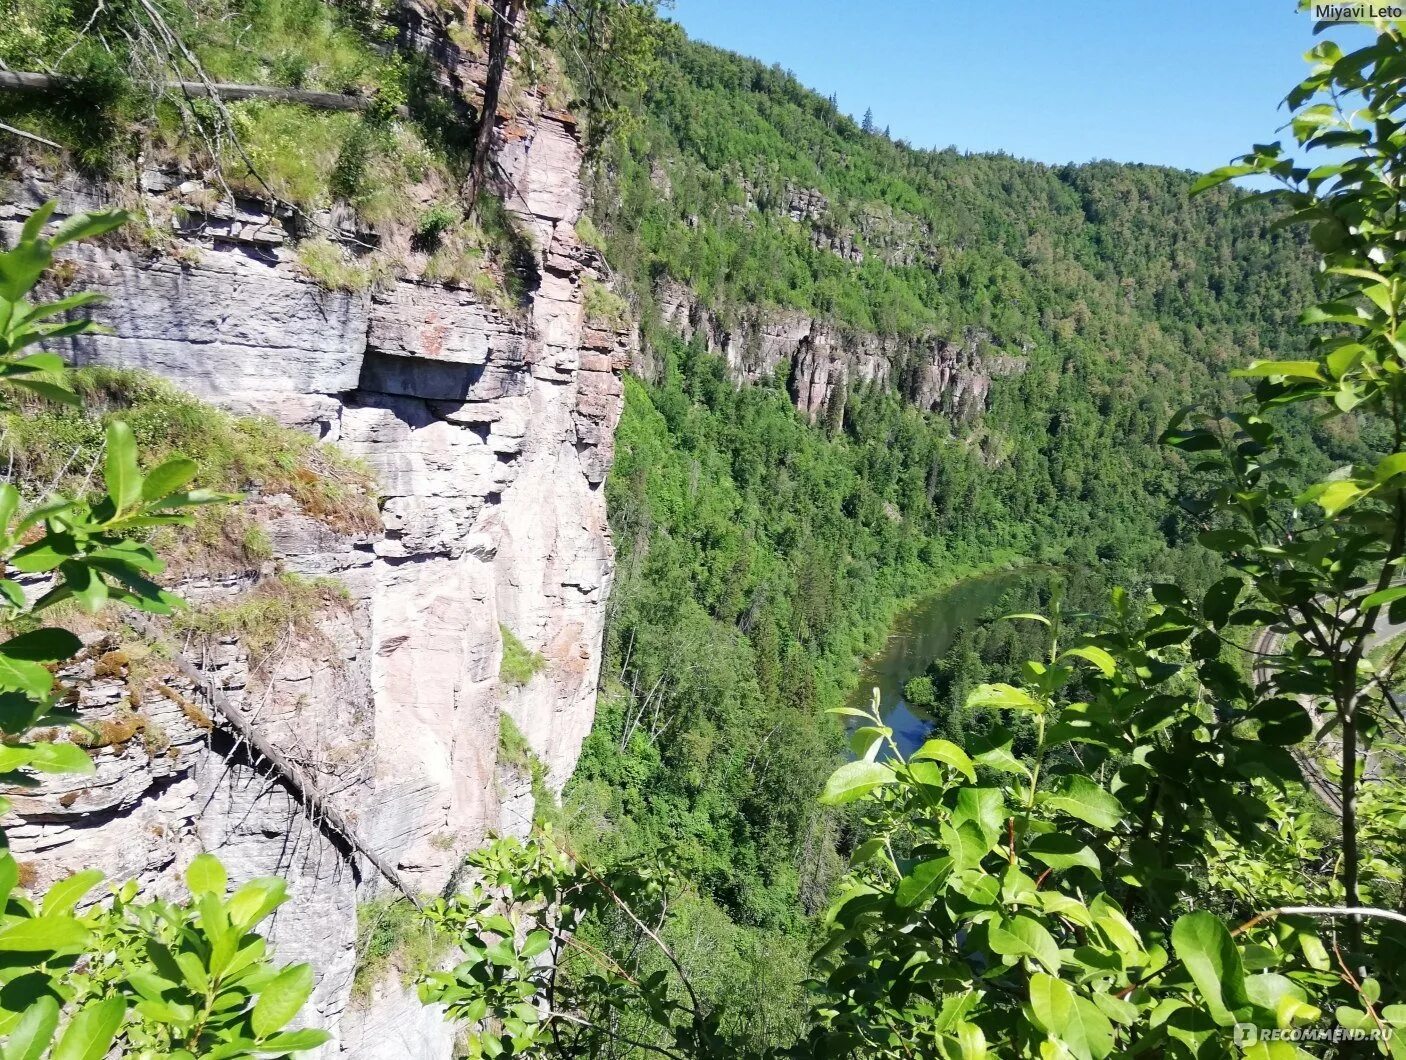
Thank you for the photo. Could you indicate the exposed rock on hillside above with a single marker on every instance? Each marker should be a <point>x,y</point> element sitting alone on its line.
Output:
<point>819,360</point>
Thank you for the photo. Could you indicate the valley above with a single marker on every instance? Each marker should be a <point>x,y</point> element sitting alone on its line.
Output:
<point>666,568</point>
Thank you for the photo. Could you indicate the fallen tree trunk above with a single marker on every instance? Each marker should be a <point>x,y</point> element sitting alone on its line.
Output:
<point>24,81</point>
<point>302,786</point>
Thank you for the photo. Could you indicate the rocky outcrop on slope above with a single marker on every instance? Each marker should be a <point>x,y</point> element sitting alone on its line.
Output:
<point>821,363</point>
<point>490,434</point>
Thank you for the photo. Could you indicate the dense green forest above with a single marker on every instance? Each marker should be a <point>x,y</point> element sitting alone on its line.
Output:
<point>761,555</point>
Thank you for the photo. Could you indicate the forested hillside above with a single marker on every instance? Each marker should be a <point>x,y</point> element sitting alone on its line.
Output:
<point>760,554</point>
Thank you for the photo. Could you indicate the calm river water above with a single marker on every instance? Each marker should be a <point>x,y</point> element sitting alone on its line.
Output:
<point>921,634</point>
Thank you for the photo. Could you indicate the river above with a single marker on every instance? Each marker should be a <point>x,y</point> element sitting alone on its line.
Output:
<point>921,634</point>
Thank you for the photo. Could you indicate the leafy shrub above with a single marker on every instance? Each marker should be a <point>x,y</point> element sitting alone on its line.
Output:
<point>434,223</point>
<point>589,234</point>
<point>392,933</point>
<point>332,266</point>
<point>603,307</point>
<point>919,691</point>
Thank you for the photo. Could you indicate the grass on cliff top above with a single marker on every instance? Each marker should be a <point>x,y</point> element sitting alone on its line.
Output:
<point>55,447</point>
<point>276,612</point>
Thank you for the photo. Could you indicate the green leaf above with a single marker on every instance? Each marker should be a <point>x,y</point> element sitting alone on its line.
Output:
<point>1080,797</point>
<point>1380,296</point>
<point>84,585</point>
<point>39,362</point>
<point>867,740</point>
<point>21,268</point>
<point>168,478</point>
<point>120,472</point>
<point>948,753</point>
<point>967,844</point>
<point>193,498</point>
<point>1111,920</point>
<point>1277,369</point>
<point>1026,616</point>
<point>68,892</point>
<point>59,758</point>
<point>925,880</point>
<point>296,1041</point>
<point>90,1033</point>
<point>1390,467</point>
<point>256,900</point>
<point>1023,936</point>
<point>866,851</point>
<point>1220,176</point>
<point>35,222</point>
<point>993,750</point>
<point>1220,599</point>
<point>1386,596</point>
<point>1003,697</point>
<point>1062,905</point>
<point>1090,1034</point>
<point>34,1031</point>
<point>46,389</point>
<point>205,875</point>
<point>21,675</point>
<point>1283,722</point>
<point>1069,1018</point>
<point>1205,947</point>
<point>1280,997</point>
<point>52,362</point>
<point>971,1040</point>
<point>1345,358</point>
<point>281,1000</point>
<point>9,504</point>
<point>985,807</point>
<point>88,225</point>
<point>854,780</point>
<point>850,712</point>
<point>46,553</point>
<point>44,935</point>
<point>1096,655</point>
<point>49,645</point>
<point>535,943</point>
<point>1060,852</point>
<point>1333,496</point>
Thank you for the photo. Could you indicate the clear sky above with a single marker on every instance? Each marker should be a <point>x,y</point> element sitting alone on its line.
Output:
<point>1188,83</point>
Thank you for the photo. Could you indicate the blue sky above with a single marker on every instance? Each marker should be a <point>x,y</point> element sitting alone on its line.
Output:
<point>1189,83</point>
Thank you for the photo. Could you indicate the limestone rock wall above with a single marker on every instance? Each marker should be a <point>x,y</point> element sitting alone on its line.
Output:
<point>822,362</point>
<point>490,435</point>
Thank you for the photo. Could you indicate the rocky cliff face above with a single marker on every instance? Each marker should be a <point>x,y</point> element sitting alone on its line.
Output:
<point>490,434</point>
<point>822,363</point>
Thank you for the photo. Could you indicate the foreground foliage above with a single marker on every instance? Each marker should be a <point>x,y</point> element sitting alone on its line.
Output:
<point>158,978</point>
